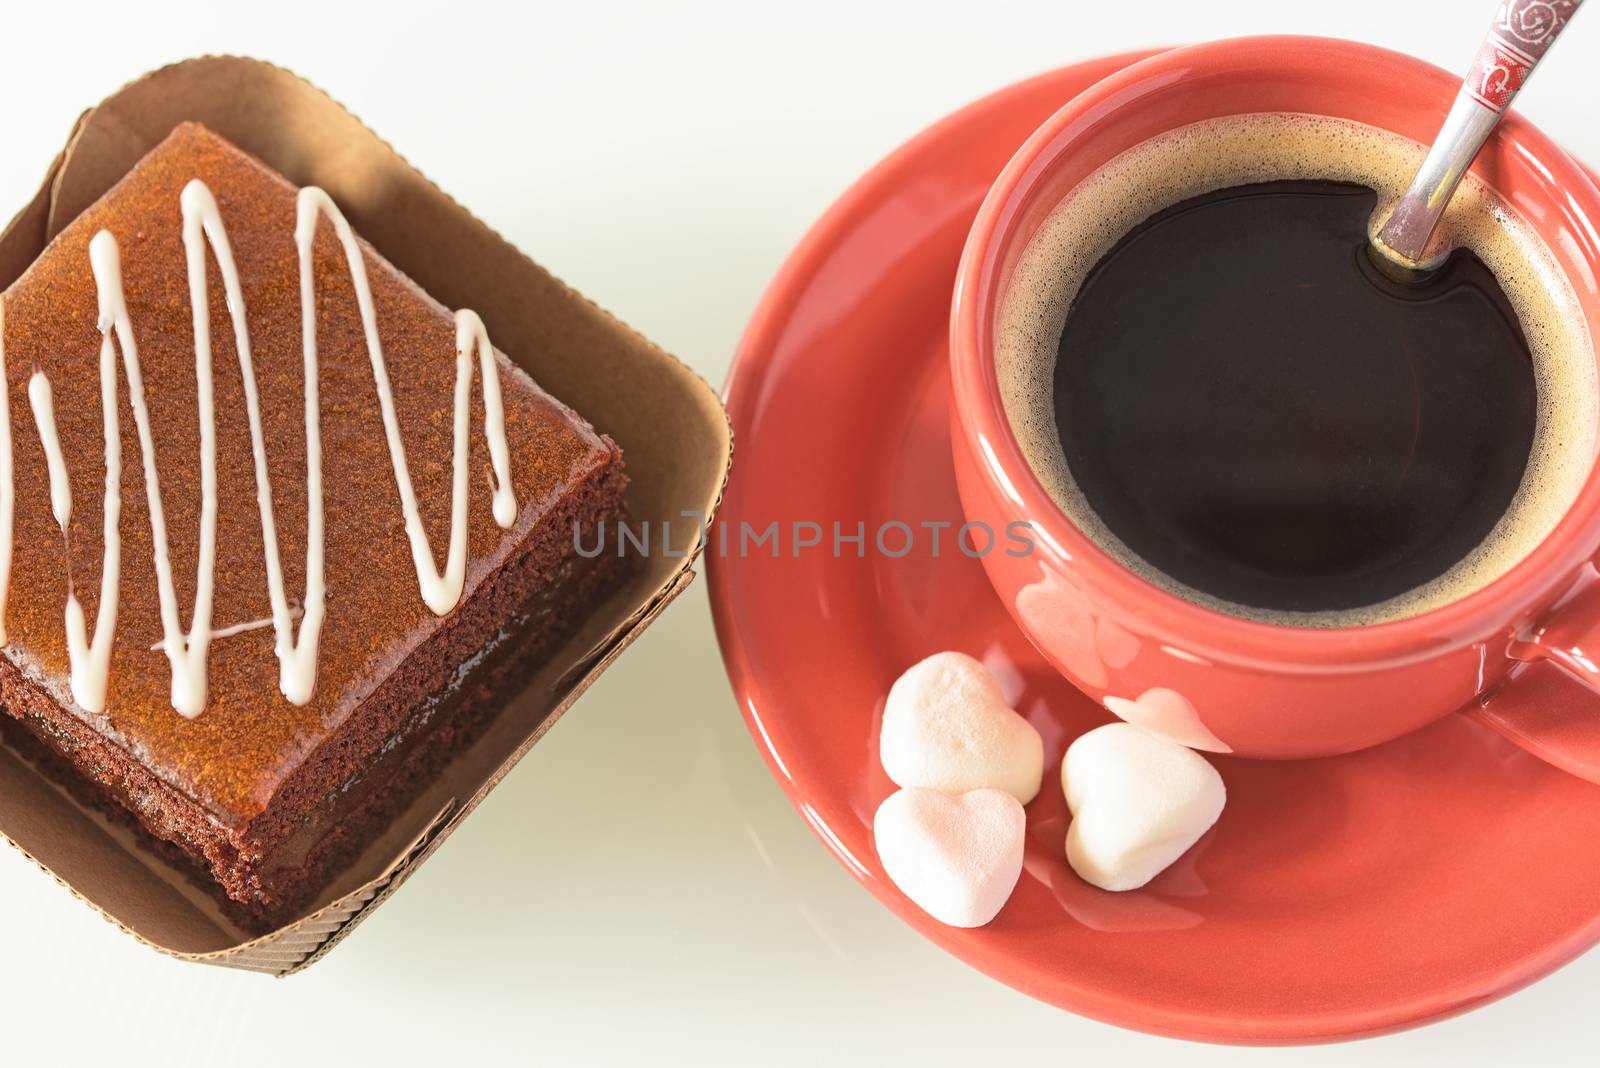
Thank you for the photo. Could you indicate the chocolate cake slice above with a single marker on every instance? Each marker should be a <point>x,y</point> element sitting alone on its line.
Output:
<point>177,649</point>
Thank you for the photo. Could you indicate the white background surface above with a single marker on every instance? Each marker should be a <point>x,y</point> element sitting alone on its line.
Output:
<point>643,892</point>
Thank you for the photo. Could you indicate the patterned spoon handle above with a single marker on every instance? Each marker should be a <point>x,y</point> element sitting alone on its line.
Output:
<point>1522,31</point>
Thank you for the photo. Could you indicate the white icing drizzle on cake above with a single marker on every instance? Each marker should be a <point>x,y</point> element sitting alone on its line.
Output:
<point>229,631</point>
<point>187,652</point>
<point>91,660</point>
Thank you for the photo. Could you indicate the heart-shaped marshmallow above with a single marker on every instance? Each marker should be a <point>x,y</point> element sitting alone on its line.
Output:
<point>1138,803</point>
<point>956,856</point>
<point>947,727</point>
<point>1168,713</point>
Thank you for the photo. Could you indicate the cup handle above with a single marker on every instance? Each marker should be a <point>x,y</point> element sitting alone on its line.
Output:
<point>1538,707</point>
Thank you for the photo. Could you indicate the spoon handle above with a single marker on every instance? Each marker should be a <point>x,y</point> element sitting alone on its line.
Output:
<point>1519,36</point>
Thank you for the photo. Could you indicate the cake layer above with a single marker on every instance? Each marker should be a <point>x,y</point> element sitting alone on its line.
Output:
<point>248,771</point>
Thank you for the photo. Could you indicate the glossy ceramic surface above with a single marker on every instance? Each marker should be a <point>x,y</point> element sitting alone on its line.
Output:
<point>1231,684</point>
<point>1337,897</point>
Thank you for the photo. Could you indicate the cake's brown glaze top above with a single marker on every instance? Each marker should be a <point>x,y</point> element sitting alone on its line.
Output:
<point>249,738</point>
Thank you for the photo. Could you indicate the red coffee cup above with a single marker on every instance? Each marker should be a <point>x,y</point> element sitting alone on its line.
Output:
<point>1225,683</point>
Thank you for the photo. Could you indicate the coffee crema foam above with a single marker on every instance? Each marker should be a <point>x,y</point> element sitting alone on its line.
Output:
<point>1244,149</point>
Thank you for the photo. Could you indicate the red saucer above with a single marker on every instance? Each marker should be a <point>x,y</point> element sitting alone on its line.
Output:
<point>1335,898</point>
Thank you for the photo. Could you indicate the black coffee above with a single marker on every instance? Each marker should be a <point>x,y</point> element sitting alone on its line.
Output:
<point>1253,409</point>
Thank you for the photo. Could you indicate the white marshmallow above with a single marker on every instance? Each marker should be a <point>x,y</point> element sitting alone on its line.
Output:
<point>947,727</point>
<point>1169,714</point>
<point>957,857</point>
<point>1138,803</point>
